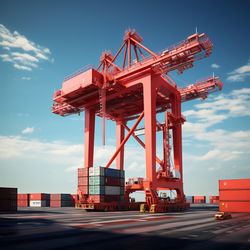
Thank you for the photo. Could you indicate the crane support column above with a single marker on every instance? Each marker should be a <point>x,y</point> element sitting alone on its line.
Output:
<point>177,135</point>
<point>149,98</point>
<point>89,132</point>
<point>119,139</point>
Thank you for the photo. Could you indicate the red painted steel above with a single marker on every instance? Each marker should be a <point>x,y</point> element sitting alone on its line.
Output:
<point>139,87</point>
<point>235,195</point>
<point>235,206</point>
<point>234,184</point>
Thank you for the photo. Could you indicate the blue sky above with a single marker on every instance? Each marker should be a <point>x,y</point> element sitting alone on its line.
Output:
<point>43,41</point>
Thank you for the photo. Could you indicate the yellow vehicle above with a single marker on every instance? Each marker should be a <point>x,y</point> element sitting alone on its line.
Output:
<point>222,216</point>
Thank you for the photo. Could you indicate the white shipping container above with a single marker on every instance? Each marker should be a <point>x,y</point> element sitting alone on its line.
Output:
<point>38,203</point>
<point>112,190</point>
<point>97,171</point>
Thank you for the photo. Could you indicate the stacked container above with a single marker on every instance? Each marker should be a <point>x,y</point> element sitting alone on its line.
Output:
<point>83,180</point>
<point>234,195</point>
<point>61,200</point>
<point>214,199</point>
<point>190,199</point>
<point>8,199</point>
<point>23,200</point>
<point>102,184</point>
<point>39,200</point>
<point>199,199</point>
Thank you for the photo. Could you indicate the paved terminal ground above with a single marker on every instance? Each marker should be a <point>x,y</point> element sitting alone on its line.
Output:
<point>70,228</point>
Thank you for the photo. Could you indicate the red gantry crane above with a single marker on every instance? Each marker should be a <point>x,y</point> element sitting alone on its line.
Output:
<point>131,85</point>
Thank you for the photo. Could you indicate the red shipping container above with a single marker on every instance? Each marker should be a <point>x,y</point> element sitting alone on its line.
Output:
<point>83,181</point>
<point>235,195</point>
<point>199,199</point>
<point>112,181</point>
<point>55,203</point>
<point>234,184</point>
<point>23,196</point>
<point>83,189</point>
<point>235,206</point>
<point>23,203</point>
<point>83,172</point>
<point>213,199</point>
<point>39,196</point>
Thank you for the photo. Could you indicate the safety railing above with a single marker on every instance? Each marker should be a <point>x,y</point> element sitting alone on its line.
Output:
<point>78,72</point>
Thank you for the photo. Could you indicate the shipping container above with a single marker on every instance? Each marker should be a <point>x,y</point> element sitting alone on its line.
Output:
<point>235,195</point>
<point>96,180</point>
<point>199,199</point>
<point>235,206</point>
<point>39,196</point>
<point>83,180</point>
<point>83,189</point>
<point>23,200</point>
<point>112,181</point>
<point>97,171</point>
<point>61,203</point>
<point>122,182</point>
<point>104,198</point>
<point>63,197</point>
<point>122,174</point>
<point>112,172</point>
<point>112,190</point>
<point>83,172</point>
<point>23,203</point>
<point>23,196</point>
<point>234,184</point>
<point>39,203</point>
<point>213,199</point>
<point>97,190</point>
<point>8,193</point>
<point>8,200</point>
<point>189,199</point>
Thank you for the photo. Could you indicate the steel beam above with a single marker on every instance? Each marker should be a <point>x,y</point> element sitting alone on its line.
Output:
<point>89,132</point>
<point>119,139</point>
<point>149,97</point>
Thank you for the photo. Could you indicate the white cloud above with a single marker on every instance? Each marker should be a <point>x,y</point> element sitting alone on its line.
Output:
<point>28,130</point>
<point>222,145</point>
<point>239,74</point>
<point>26,78</point>
<point>6,58</point>
<point>31,53</point>
<point>220,108</point>
<point>21,67</point>
<point>215,66</point>
<point>67,155</point>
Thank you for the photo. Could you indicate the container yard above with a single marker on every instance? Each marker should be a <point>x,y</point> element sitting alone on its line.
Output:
<point>125,126</point>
